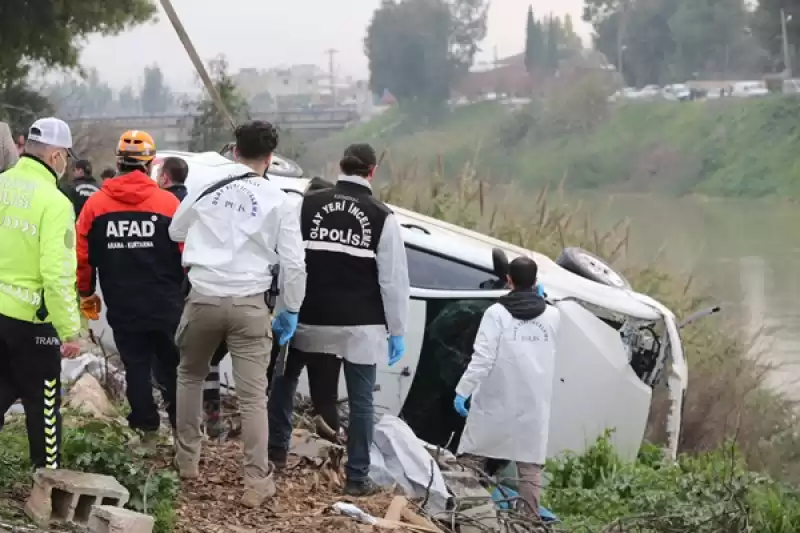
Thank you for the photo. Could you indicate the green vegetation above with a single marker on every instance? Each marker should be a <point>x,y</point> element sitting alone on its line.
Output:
<point>727,395</point>
<point>671,41</point>
<point>709,493</point>
<point>417,49</point>
<point>731,147</point>
<point>100,448</point>
<point>50,35</point>
<point>728,405</point>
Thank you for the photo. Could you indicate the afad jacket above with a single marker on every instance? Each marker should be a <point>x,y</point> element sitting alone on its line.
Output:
<point>37,257</point>
<point>123,235</point>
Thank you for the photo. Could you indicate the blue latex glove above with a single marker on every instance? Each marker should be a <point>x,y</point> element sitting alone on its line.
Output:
<point>284,326</point>
<point>461,405</point>
<point>397,349</point>
<point>539,290</point>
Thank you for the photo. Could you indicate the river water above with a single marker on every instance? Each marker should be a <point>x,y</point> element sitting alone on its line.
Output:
<point>747,253</point>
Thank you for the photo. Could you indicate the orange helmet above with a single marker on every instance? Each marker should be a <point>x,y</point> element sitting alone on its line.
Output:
<point>136,147</point>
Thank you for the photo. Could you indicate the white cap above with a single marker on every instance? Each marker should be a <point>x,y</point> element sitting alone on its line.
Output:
<point>52,132</point>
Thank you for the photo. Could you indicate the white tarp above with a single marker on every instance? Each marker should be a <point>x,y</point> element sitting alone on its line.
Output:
<point>397,456</point>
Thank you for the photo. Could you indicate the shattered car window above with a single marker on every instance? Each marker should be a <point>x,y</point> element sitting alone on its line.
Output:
<point>446,352</point>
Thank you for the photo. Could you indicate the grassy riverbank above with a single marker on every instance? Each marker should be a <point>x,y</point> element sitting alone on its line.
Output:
<point>728,397</point>
<point>733,147</point>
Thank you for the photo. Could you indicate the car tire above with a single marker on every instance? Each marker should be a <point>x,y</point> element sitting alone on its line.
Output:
<point>587,265</point>
<point>285,168</point>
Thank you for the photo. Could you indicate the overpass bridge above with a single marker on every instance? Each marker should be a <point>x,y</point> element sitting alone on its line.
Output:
<point>173,132</point>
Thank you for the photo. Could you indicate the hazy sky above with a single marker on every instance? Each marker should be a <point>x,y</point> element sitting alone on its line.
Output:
<point>267,33</point>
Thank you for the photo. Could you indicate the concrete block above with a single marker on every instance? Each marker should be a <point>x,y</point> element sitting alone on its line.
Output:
<point>305,444</point>
<point>479,519</point>
<point>466,486</point>
<point>109,519</point>
<point>68,496</point>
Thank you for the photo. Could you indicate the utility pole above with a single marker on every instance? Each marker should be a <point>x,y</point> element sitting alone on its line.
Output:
<point>621,27</point>
<point>195,59</point>
<point>496,76</point>
<point>787,60</point>
<point>332,74</point>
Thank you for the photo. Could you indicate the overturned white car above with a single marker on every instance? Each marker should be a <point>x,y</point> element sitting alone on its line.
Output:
<point>613,347</point>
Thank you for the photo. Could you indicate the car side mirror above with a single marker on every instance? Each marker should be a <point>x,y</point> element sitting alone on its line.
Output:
<point>500,263</point>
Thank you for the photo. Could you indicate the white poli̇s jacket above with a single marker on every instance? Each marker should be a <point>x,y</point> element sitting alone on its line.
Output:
<point>510,380</point>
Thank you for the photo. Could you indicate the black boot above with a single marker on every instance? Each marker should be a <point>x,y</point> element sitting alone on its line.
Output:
<point>360,489</point>
<point>278,457</point>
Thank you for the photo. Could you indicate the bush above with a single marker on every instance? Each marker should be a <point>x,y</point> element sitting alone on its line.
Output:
<point>708,493</point>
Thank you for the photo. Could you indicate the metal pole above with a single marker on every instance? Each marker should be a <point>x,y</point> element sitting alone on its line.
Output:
<point>332,75</point>
<point>198,64</point>
<point>787,61</point>
<point>620,36</point>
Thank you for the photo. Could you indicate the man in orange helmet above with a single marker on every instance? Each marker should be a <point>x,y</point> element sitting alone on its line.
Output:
<point>123,233</point>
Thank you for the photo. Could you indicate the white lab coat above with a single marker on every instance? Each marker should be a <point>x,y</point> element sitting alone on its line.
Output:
<point>510,379</point>
<point>232,237</point>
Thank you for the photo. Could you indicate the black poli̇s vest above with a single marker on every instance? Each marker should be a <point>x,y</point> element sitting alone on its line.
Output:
<point>342,227</point>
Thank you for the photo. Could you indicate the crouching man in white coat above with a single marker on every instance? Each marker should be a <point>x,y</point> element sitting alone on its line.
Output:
<point>510,381</point>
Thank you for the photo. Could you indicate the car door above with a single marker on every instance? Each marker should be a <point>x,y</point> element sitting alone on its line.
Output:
<point>437,281</point>
<point>448,299</point>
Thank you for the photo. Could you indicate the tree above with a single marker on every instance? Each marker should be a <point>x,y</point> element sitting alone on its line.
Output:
<point>211,129</point>
<point>668,41</point>
<point>417,49</point>
<point>128,101</point>
<point>155,96</point>
<point>570,39</point>
<point>767,28</point>
<point>21,105</point>
<point>81,97</point>
<point>469,26</point>
<point>50,33</point>
<point>553,40</point>
<point>534,43</point>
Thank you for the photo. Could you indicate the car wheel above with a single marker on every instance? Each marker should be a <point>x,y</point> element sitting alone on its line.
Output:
<point>589,266</point>
<point>285,168</point>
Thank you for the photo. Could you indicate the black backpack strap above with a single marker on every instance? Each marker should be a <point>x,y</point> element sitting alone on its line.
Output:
<point>220,184</point>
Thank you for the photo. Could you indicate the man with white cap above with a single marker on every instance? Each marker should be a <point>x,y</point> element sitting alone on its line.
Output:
<point>39,317</point>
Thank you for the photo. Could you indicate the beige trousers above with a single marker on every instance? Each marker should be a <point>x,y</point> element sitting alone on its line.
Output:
<point>530,486</point>
<point>244,322</point>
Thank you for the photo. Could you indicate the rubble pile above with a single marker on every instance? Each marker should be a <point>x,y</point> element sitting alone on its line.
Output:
<point>310,497</point>
<point>307,490</point>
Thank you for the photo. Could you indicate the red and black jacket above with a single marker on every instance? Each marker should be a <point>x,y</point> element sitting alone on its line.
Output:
<point>123,233</point>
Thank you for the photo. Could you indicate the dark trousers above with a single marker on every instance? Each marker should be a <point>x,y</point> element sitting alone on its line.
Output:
<point>360,431</point>
<point>323,375</point>
<point>323,383</point>
<point>30,370</point>
<point>146,354</point>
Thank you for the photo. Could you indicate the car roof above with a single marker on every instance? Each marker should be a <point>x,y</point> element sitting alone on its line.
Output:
<point>444,239</point>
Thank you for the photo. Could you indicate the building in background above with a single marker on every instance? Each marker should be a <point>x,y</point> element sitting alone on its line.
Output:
<point>505,77</point>
<point>301,87</point>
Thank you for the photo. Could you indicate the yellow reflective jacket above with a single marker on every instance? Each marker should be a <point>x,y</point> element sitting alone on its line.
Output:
<point>37,249</point>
